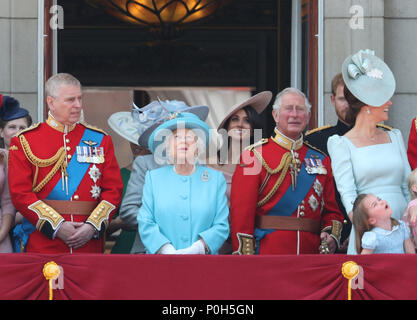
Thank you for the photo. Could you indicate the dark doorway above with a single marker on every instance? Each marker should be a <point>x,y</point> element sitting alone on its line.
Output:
<point>245,44</point>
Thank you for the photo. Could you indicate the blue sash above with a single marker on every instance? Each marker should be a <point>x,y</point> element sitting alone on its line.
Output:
<point>290,201</point>
<point>76,170</point>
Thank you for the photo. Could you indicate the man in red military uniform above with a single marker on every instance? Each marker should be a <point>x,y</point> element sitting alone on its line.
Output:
<point>63,175</point>
<point>283,194</point>
<point>412,145</point>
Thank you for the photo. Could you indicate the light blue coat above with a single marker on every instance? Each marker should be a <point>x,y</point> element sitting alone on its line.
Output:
<point>180,209</point>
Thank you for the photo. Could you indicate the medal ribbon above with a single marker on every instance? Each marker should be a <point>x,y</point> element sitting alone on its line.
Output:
<point>291,199</point>
<point>76,170</point>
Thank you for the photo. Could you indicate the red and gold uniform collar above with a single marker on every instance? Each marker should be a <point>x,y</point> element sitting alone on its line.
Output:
<point>58,125</point>
<point>287,143</point>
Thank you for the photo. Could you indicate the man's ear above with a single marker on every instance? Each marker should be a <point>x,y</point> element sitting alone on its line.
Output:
<point>50,102</point>
<point>333,99</point>
<point>414,188</point>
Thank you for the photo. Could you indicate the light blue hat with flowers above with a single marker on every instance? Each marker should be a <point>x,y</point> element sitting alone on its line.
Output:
<point>179,120</point>
<point>157,112</point>
<point>136,126</point>
<point>368,78</point>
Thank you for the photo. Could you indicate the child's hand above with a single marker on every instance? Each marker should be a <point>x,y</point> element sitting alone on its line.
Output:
<point>412,215</point>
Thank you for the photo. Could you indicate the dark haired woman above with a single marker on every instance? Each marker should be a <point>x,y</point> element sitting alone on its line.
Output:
<point>368,159</point>
<point>239,129</point>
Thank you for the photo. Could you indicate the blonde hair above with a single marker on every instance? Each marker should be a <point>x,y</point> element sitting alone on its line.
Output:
<point>412,180</point>
<point>361,220</point>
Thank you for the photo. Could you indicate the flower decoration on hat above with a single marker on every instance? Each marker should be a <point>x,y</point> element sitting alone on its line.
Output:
<point>368,78</point>
<point>156,111</point>
<point>363,66</point>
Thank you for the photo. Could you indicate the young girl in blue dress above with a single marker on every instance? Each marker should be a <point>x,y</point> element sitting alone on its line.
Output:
<point>376,230</point>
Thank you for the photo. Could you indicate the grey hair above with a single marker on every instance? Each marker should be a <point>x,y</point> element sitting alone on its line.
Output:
<point>201,147</point>
<point>56,81</point>
<point>278,99</point>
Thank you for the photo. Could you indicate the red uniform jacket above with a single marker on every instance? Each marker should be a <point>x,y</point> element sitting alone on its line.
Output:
<point>412,145</point>
<point>37,146</point>
<point>245,197</point>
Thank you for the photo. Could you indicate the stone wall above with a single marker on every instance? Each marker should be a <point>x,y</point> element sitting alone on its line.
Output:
<point>19,52</point>
<point>389,28</point>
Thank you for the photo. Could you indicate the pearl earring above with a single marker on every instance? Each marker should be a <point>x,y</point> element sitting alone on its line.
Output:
<point>368,111</point>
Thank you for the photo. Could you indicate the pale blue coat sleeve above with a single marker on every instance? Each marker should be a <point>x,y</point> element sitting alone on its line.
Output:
<point>149,231</point>
<point>217,234</point>
<point>406,164</point>
<point>342,170</point>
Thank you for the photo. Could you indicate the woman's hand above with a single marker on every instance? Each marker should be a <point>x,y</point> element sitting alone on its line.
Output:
<point>8,220</point>
<point>196,248</point>
<point>412,215</point>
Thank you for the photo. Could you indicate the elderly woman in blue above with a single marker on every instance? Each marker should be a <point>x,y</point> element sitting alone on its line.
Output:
<point>184,205</point>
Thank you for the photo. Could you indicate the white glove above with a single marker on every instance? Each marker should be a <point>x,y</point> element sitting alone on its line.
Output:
<point>196,248</point>
<point>167,248</point>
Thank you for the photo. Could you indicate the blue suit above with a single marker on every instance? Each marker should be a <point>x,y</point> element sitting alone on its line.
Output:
<point>180,209</point>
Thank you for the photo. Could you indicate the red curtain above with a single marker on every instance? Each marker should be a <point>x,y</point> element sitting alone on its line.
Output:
<point>160,277</point>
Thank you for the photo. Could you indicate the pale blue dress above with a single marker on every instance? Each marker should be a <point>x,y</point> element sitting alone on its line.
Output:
<point>379,169</point>
<point>180,209</point>
<point>383,241</point>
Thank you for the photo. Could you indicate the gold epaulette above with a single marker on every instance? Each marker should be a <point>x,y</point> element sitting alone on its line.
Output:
<point>89,126</point>
<point>257,144</point>
<point>314,148</point>
<point>33,126</point>
<point>384,126</point>
<point>318,129</point>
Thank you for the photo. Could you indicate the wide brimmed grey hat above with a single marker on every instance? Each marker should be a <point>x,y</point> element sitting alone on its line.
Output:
<point>157,112</point>
<point>124,125</point>
<point>368,78</point>
<point>258,102</point>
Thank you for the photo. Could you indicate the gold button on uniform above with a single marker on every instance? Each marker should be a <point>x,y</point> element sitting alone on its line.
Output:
<point>68,148</point>
<point>67,140</point>
<point>69,156</point>
<point>76,197</point>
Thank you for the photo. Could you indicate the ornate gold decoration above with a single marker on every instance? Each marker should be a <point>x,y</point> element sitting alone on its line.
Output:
<point>246,244</point>
<point>318,129</point>
<point>350,270</point>
<point>46,213</point>
<point>101,214</point>
<point>51,272</point>
<point>89,126</point>
<point>58,160</point>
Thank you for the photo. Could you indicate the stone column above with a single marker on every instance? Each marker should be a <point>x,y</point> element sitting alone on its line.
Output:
<point>400,55</point>
<point>19,52</point>
<point>341,40</point>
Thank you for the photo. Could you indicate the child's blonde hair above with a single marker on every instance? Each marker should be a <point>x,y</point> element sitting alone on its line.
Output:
<point>361,220</point>
<point>412,180</point>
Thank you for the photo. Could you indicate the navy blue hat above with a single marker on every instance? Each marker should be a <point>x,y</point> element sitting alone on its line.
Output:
<point>10,109</point>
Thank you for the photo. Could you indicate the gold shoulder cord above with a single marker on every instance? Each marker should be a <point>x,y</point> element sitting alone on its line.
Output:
<point>283,167</point>
<point>415,123</point>
<point>58,159</point>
